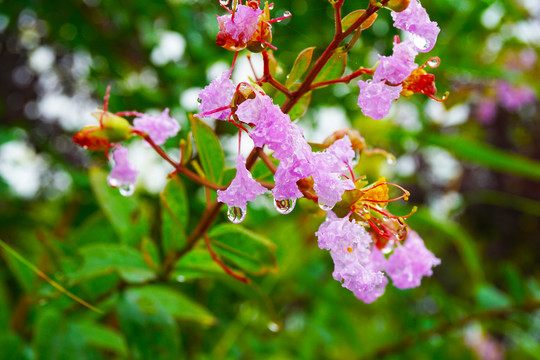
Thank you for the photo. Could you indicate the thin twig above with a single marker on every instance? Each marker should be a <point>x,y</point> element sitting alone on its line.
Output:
<point>218,260</point>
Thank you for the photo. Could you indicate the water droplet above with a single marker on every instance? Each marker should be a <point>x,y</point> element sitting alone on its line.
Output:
<point>224,2</point>
<point>388,248</point>
<point>287,13</point>
<point>126,189</point>
<point>271,6</point>
<point>273,327</point>
<point>365,209</point>
<point>284,206</point>
<point>236,214</point>
<point>390,159</point>
<point>324,206</point>
<point>420,42</point>
<point>85,147</point>
<point>445,95</point>
<point>434,62</point>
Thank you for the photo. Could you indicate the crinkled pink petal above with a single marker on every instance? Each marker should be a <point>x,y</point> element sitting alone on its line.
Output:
<point>355,265</point>
<point>399,66</point>
<point>375,98</point>
<point>410,262</point>
<point>415,20</point>
<point>244,24</point>
<point>159,128</point>
<point>122,173</point>
<point>217,95</point>
<point>242,189</point>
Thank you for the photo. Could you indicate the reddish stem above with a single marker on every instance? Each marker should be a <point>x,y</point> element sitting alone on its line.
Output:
<point>217,259</point>
<point>345,79</point>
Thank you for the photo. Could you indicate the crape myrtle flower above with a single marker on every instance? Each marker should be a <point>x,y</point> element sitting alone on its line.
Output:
<point>123,174</point>
<point>410,262</point>
<point>355,265</point>
<point>217,95</point>
<point>159,128</point>
<point>415,20</point>
<point>328,168</point>
<point>399,65</point>
<point>513,97</point>
<point>242,26</point>
<point>375,98</point>
<point>242,189</point>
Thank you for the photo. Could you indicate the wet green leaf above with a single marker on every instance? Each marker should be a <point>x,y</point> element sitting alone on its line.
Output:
<point>150,331</point>
<point>172,302</point>
<point>348,20</point>
<point>301,64</point>
<point>101,259</point>
<point>334,68</point>
<point>209,148</point>
<point>174,214</point>
<point>124,213</point>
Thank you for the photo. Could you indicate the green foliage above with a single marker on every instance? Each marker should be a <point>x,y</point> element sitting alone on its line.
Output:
<point>164,297</point>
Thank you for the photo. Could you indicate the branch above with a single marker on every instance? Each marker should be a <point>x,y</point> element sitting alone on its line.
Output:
<point>345,79</point>
<point>267,77</point>
<point>178,166</point>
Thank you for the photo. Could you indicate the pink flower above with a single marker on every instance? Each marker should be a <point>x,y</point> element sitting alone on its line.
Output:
<point>514,97</point>
<point>328,168</point>
<point>486,111</point>
<point>410,262</point>
<point>355,265</point>
<point>159,128</point>
<point>123,174</point>
<point>242,189</point>
<point>218,94</point>
<point>242,27</point>
<point>375,98</point>
<point>399,66</point>
<point>415,20</point>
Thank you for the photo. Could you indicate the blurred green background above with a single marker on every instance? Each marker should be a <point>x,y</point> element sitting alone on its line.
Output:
<point>474,177</point>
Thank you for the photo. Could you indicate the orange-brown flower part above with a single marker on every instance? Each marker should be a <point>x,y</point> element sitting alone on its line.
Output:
<point>112,129</point>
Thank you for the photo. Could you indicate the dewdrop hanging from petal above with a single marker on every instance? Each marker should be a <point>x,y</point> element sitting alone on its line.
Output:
<point>123,174</point>
<point>242,189</point>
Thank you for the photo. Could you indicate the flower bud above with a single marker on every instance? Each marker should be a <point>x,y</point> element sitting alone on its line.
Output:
<point>113,129</point>
<point>397,5</point>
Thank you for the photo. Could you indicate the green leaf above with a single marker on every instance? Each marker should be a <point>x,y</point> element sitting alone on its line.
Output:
<point>196,264</point>
<point>174,214</point>
<point>12,347</point>
<point>102,337</point>
<point>57,339</point>
<point>348,20</point>
<point>301,64</point>
<point>300,108</point>
<point>124,213</point>
<point>101,259</point>
<point>489,297</point>
<point>249,251</point>
<point>172,302</point>
<point>151,333</point>
<point>261,172</point>
<point>486,155</point>
<point>334,68</point>
<point>210,151</point>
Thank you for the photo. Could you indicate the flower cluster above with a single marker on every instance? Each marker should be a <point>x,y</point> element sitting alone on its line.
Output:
<point>359,264</point>
<point>114,129</point>
<point>398,74</point>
